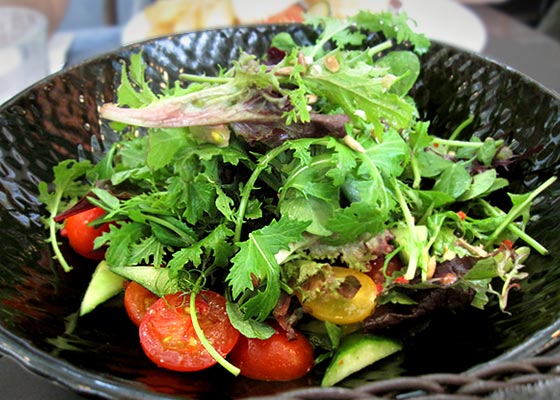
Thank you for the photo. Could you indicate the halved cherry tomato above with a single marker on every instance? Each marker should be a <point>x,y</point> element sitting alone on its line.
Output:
<point>335,308</point>
<point>137,300</point>
<point>274,359</point>
<point>168,337</point>
<point>81,234</point>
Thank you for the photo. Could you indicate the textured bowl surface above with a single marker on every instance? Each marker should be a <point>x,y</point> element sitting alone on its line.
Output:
<point>99,354</point>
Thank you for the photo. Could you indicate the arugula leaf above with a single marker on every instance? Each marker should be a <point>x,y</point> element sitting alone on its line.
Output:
<point>119,238</point>
<point>308,209</point>
<point>248,327</point>
<point>390,156</point>
<point>255,270</point>
<point>431,164</point>
<point>163,144</point>
<point>350,223</point>
<point>360,88</point>
<point>216,243</point>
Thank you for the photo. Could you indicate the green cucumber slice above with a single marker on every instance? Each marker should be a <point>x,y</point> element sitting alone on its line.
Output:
<point>156,280</point>
<point>356,352</point>
<point>103,285</point>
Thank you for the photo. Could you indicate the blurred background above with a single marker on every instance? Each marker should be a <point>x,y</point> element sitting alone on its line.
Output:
<point>538,14</point>
<point>523,34</point>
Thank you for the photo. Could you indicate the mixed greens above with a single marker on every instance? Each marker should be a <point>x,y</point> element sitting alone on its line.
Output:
<point>256,182</point>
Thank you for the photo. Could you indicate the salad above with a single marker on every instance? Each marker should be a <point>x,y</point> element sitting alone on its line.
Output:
<point>284,214</point>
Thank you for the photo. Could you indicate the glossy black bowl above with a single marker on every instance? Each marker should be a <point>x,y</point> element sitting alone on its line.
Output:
<point>99,354</point>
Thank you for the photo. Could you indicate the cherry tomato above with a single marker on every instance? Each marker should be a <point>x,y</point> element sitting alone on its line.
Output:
<point>335,308</point>
<point>81,235</point>
<point>376,268</point>
<point>168,337</point>
<point>137,300</point>
<point>274,359</point>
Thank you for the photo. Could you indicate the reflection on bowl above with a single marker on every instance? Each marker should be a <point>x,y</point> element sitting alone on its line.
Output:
<point>98,354</point>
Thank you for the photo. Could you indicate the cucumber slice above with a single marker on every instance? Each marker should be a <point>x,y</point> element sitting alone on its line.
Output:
<point>156,280</point>
<point>357,351</point>
<point>103,285</point>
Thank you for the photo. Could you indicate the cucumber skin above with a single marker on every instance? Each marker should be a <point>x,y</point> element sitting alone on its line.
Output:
<point>103,285</point>
<point>356,352</point>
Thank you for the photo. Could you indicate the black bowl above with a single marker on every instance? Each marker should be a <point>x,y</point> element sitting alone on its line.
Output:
<point>99,354</point>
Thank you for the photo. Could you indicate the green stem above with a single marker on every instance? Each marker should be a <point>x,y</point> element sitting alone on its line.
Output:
<point>387,44</point>
<point>204,79</point>
<point>520,233</point>
<point>324,159</point>
<point>380,47</point>
<point>187,238</point>
<point>376,177</point>
<point>458,143</point>
<point>56,249</point>
<point>323,40</point>
<point>517,210</point>
<point>460,128</point>
<point>415,173</point>
<point>246,193</point>
<point>409,220</point>
<point>54,243</point>
<point>205,342</point>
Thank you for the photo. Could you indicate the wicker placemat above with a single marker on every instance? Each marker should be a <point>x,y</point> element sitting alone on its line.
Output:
<point>535,378</point>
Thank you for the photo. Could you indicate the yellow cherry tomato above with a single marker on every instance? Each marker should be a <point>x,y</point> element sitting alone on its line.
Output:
<point>335,308</point>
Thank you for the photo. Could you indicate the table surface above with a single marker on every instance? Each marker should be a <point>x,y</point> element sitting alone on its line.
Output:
<point>509,42</point>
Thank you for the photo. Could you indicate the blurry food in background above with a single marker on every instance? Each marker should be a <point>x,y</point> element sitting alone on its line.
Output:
<point>172,16</point>
<point>448,21</point>
<point>169,16</point>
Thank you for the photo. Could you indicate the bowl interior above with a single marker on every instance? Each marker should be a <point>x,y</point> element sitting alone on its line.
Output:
<point>58,119</point>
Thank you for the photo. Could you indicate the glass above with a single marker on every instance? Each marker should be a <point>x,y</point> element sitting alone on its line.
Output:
<point>23,49</point>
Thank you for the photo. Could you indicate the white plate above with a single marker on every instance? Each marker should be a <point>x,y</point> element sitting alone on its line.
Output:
<point>447,21</point>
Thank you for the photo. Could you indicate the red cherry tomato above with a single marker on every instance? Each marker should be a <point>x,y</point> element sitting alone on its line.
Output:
<point>137,300</point>
<point>81,235</point>
<point>376,268</point>
<point>274,359</point>
<point>168,337</point>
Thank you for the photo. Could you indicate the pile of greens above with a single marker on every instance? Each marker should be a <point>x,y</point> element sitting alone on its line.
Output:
<point>252,180</point>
